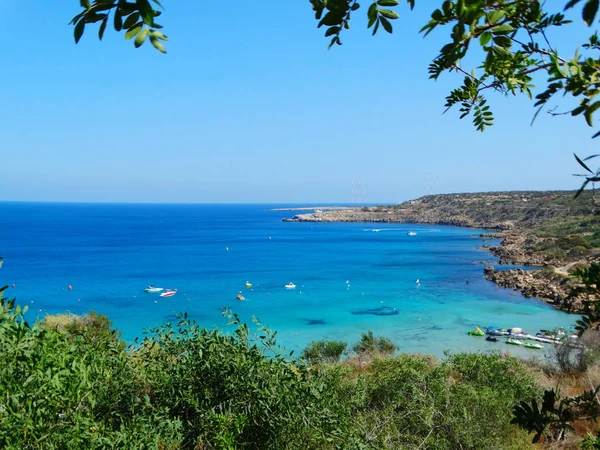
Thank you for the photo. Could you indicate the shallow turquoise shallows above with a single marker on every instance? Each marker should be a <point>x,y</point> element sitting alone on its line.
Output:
<point>349,278</point>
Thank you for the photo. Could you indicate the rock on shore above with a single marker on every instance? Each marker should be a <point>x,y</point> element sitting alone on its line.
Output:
<point>545,285</point>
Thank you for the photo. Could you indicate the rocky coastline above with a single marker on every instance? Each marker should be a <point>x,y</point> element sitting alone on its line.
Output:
<point>512,217</point>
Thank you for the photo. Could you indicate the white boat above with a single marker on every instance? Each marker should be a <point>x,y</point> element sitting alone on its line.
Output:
<point>544,340</point>
<point>412,233</point>
<point>151,288</point>
<point>169,293</point>
<point>496,332</point>
<point>290,285</point>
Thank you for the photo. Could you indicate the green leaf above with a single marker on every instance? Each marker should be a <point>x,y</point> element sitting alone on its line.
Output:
<point>589,11</point>
<point>332,30</point>
<point>118,20</point>
<point>582,164</point>
<point>102,28</point>
<point>485,38</point>
<point>389,14</point>
<point>387,26</point>
<point>331,19</point>
<point>503,29</point>
<point>388,2</point>
<point>158,35</point>
<point>133,31</point>
<point>93,17</point>
<point>158,45</point>
<point>140,38</point>
<point>146,11</point>
<point>590,111</point>
<point>496,16</point>
<point>376,27</point>
<point>372,12</point>
<point>503,41</point>
<point>355,6</point>
<point>131,20</point>
<point>79,28</point>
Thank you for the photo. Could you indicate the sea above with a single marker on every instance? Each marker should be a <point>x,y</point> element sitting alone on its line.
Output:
<point>350,277</point>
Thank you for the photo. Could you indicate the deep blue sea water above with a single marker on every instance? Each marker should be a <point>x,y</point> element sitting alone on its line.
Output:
<point>347,276</point>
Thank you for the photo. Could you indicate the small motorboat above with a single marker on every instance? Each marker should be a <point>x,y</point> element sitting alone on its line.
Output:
<point>151,288</point>
<point>290,285</point>
<point>493,331</point>
<point>491,339</point>
<point>169,293</point>
<point>412,233</point>
<point>240,297</point>
<point>476,332</point>
<point>513,341</point>
<point>533,345</point>
<point>248,284</point>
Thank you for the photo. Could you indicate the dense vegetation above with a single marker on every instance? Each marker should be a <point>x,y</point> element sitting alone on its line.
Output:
<point>71,383</point>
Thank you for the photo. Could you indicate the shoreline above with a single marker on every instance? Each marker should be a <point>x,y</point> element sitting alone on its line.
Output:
<point>314,208</point>
<point>550,282</point>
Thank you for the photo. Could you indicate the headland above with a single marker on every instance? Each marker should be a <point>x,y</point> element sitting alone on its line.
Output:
<point>550,230</point>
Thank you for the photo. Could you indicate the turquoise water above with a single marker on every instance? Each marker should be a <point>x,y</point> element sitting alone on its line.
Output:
<point>349,279</point>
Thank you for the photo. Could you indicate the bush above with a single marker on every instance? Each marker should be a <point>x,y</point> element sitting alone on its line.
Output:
<point>414,402</point>
<point>324,351</point>
<point>575,240</point>
<point>555,253</point>
<point>371,345</point>
<point>578,252</point>
<point>186,387</point>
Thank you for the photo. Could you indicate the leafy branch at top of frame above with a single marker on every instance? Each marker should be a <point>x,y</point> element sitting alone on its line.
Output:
<point>136,19</point>
<point>510,33</point>
<point>513,37</point>
<point>336,15</point>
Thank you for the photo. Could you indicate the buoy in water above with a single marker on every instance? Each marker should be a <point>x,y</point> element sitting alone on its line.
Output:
<point>70,287</point>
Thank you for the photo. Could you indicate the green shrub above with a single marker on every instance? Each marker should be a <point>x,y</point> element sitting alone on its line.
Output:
<point>186,387</point>
<point>414,402</point>
<point>578,251</point>
<point>324,351</point>
<point>555,253</point>
<point>369,344</point>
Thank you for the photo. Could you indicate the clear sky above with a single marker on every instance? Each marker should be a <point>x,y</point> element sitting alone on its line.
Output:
<point>249,106</point>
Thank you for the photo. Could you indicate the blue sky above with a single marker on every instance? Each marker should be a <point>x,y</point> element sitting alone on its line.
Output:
<point>249,106</point>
